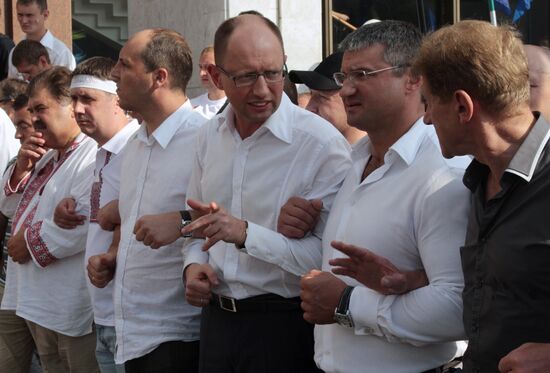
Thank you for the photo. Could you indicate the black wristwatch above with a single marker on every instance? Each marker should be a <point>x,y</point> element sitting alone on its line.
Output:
<point>186,219</point>
<point>342,314</point>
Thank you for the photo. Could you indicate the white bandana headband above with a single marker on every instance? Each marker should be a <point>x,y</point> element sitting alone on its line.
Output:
<point>90,81</point>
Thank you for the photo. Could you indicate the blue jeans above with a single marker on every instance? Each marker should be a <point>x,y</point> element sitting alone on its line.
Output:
<point>105,350</point>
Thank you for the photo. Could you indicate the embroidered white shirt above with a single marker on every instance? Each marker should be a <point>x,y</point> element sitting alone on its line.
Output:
<point>294,153</point>
<point>9,145</point>
<point>413,211</point>
<point>50,289</point>
<point>149,299</point>
<point>105,188</point>
<point>205,106</point>
<point>60,55</point>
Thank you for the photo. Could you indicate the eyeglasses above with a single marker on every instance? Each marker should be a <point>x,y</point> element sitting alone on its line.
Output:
<point>249,79</point>
<point>359,75</point>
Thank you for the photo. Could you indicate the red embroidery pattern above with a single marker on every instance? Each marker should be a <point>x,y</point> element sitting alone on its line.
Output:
<point>96,191</point>
<point>37,247</point>
<point>30,191</point>
<point>20,187</point>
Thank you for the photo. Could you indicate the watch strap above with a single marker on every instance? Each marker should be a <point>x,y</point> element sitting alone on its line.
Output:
<point>343,304</point>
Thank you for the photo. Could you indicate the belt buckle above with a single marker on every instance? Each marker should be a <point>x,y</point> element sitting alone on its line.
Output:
<point>227,303</point>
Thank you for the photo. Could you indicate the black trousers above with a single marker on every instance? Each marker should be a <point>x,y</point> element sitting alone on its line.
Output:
<point>256,342</point>
<point>168,357</point>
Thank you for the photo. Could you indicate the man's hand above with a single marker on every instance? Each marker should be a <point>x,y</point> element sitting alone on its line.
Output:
<point>199,281</point>
<point>65,216</point>
<point>375,271</point>
<point>527,358</point>
<point>321,292</point>
<point>218,225</point>
<point>30,152</point>
<point>158,230</point>
<point>17,248</point>
<point>108,217</point>
<point>298,217</point>
<point>101,269</point>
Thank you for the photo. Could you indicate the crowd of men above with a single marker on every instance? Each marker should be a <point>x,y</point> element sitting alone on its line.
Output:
<point>239,232</point>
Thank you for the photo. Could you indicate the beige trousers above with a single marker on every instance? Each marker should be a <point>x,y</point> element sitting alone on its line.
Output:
<point>16,344</point>
<point>63,354</point>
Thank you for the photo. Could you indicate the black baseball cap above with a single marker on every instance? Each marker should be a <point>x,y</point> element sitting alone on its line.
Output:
<point>319,79</point>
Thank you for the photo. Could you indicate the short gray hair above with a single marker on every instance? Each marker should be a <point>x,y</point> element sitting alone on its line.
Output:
<point>401,41</point>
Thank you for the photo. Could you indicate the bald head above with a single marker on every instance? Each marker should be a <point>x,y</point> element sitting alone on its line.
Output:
<point>538,59</point>
<point>245,23</point>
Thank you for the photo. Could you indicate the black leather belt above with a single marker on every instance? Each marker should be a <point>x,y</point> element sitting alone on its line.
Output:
<point>259,303</point>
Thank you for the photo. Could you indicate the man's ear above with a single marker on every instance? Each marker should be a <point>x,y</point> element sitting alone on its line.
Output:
<point>42,61</point>
<point>413,82</point>
<point>215,74</point>
<point>160,77</point>
<point>46,13</point>
<point>464,105</point>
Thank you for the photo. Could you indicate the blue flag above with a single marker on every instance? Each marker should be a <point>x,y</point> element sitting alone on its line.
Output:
<point>503,6</point>
<point>521,8</point>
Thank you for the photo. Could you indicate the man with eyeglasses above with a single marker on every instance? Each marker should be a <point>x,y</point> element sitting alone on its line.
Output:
<point>325,98</point>
<point>400,212</point>
<point>260,151</point>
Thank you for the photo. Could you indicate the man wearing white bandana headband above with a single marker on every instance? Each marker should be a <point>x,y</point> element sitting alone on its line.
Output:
<point>99,116</point>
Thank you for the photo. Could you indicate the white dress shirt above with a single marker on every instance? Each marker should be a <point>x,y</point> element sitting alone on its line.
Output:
<point>60,55</point>
<point>149,298</point>
<point>294,153</point>
<point>207,107</point>
<point>413,211</point>
<point>9,145</point>
<point>50,290</point>
<point>105,188</point>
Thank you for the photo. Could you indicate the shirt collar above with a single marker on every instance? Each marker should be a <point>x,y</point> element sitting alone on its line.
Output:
<point>47,40</point>
<point>406,147</point>
<point>525,160</point>
<point>164,133</point>
<point>523,163</point>
<point>277,123</point>
<point>117,142</point>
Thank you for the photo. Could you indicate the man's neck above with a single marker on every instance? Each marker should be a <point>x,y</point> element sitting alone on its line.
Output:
<point>116,126</point>
<point>215,94</point>
<point>161,108</point>
<point>244,128</point>
<point>386,136</point>
<point>70,141</point>
<point>37,36</point>
<point>499,141</point>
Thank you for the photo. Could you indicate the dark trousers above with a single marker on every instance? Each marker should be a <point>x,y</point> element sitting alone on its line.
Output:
<point>266,341</point>
<point>168,357</point>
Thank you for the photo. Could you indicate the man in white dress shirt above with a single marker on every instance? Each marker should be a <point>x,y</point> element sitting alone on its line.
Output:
<point>30,58</point>
<point>32,15</point>
<point>250,159</point>
<point>401,201</point>
<point>156,329</point>
<point>99,116</point>
<point>210,102</point>
<point>45,282</point>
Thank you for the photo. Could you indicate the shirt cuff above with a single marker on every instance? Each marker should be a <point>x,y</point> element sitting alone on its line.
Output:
<point>363,306</point>
<point>20,187</point>
<point>194,254</point>
<point>40,253</point>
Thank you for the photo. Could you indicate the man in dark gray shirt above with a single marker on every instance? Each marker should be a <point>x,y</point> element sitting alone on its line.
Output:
<point>476,89</point>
